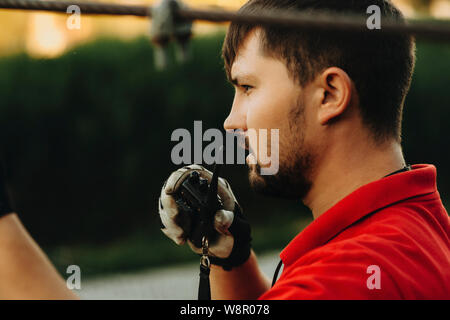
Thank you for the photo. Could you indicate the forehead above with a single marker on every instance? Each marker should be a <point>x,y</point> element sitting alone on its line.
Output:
<point>254,65</point>
<point>248,55</point>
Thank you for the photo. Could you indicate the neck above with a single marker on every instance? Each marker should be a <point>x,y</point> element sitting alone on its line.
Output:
<point>347,170</point>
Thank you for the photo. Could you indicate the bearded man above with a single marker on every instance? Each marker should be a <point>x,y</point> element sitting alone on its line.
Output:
<point>380,230</point>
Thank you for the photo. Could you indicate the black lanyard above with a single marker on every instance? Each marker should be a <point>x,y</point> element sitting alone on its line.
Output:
<point>277,270</point>
<point>204,287</point>
<point>405,168</point>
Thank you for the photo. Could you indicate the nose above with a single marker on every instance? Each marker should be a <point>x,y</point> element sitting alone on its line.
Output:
<point>237,119</point>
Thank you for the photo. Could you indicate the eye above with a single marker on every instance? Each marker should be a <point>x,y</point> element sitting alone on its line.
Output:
<point>246,88</point>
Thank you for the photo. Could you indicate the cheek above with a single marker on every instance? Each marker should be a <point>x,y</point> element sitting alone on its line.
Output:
<point>268,111</point>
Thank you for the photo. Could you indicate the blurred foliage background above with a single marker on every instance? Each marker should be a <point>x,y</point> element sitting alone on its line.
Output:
<point>86,138</point>
<point>88,142</point>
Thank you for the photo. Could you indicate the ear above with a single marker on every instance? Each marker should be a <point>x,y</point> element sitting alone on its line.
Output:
<point>337,92</point>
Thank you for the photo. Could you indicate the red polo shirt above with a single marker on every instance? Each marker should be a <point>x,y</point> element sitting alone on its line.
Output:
<point>386,240</point>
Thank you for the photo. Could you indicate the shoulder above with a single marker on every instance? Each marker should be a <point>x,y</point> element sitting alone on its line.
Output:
<point>398,252</point>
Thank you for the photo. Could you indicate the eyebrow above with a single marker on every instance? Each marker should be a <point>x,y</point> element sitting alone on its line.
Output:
<point>241,78</point>
<point>234,81</point>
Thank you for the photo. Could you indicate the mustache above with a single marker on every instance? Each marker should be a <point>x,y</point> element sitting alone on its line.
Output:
<point>241,137</point>
<point>244,143</point>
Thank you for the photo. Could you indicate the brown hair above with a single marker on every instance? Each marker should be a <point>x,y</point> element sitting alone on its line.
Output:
<point>381,67</point>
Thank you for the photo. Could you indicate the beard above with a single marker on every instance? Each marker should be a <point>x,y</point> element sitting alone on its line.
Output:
<point>295,163</point>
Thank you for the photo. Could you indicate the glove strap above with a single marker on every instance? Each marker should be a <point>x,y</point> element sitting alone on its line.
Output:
<point>204,288</point>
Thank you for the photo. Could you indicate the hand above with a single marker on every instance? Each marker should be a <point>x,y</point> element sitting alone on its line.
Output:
<point>231,247</point>
<point>5,202</point>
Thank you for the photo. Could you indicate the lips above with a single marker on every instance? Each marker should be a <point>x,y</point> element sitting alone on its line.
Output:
<point>243,142</point>
<point>242,138</point>
<point>247,144</point>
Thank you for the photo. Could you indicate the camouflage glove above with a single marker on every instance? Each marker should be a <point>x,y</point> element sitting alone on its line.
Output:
<point>232,244</point>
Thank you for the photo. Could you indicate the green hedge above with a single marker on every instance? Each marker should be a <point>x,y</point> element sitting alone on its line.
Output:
<point>87,135</point>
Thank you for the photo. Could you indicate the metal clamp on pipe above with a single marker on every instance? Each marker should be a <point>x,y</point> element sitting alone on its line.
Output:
<point>166,26</point>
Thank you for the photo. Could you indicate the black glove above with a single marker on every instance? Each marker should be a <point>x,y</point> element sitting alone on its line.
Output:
<point>231,245</point>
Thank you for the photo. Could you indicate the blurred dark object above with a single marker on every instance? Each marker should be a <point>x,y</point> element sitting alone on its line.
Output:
<point>5,198</point>
<point>165,27</point>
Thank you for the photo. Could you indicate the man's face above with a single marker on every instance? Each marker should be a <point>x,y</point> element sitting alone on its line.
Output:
<point>266,97</point>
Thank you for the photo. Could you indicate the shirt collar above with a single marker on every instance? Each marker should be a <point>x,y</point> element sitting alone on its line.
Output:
<point>361,202</point>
